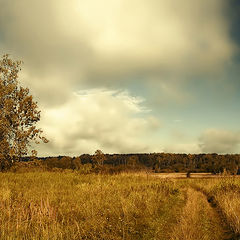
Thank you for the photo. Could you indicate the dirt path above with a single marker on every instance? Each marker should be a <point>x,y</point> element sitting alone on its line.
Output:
<point>200,220</point>
<point>229,232</point>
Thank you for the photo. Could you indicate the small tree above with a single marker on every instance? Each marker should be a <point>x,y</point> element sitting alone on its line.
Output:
<point>18,115</point>
<point>133,160</point>
<point>188,175</point>
<point>77,163</point>
<point>99,157</point>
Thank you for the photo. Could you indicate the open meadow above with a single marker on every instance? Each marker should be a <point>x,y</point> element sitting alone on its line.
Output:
<point>69,205</point>
<point>119,120</point>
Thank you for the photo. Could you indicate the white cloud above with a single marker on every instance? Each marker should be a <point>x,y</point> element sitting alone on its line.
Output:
<point>219,141</point>
<point>105,119</point>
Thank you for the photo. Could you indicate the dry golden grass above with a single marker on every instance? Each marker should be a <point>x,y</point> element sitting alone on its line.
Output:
<point>225,192</point>
<point>198,220</point>
<point>68,205</point>
<point>71,206</point>
<point>230,204</point>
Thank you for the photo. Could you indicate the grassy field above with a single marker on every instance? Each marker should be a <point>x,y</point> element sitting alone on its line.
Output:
<point>68,205</point>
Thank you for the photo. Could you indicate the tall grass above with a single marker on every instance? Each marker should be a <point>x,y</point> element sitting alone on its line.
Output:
<point>69,205</point>
<point>198,220</point>
<point>225,192</point>
<point>72,206</point>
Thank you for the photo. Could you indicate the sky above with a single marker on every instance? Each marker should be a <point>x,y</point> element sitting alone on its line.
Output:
<point>129,76</point>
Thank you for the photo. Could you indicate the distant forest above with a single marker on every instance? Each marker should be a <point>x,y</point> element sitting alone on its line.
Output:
<point>156,162</point>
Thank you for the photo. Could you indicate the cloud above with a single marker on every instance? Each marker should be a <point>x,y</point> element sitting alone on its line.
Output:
<point>108,43</point>
<point>219,141</point>
<point>154,46</point>
<point>106,119</point>
<point>182,148</point>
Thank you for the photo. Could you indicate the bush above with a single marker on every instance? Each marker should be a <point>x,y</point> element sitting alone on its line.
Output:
<point>29,166</point>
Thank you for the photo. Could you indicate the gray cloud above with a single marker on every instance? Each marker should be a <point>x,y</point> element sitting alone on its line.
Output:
<point>67,46</point>
<point>219,141</point>
<point>92,44</point>
<point>210,141</point>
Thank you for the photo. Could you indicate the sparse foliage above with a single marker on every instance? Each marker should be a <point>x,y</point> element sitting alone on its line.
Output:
<point>133,160</point>
<point>18,114</point>
<point>99,157</point>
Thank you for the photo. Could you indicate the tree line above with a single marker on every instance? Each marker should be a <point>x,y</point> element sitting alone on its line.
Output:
<point>155,162</point>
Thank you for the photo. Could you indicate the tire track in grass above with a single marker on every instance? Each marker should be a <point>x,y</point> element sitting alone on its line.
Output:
<point>229,232</point>
<point>199,220</point>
